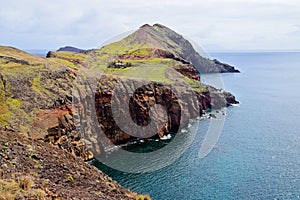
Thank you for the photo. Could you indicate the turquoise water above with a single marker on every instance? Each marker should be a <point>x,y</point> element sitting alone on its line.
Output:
<point>258,153</point>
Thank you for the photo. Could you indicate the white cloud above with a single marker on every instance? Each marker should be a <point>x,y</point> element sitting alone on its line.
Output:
<point>215,24</point>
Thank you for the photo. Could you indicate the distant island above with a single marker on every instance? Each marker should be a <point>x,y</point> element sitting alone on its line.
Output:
<point>72,49</point>
<point>36,104</point>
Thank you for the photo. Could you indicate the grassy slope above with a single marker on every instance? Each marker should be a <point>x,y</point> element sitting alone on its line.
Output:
<point>147,67</point>
<point>27,84</point>
<point>150,69</point>
<point>70,59</point>
<point>139,44</point>
<point>29,80</point>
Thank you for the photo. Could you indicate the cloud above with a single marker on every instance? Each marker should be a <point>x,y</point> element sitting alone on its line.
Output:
<point>215,24</point>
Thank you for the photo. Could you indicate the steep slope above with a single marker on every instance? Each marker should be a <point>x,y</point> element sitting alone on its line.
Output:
<point>31,169</point>
<point>30,82</point>
<point>161,37</point>
<point>152,66</point>
<point>154,56</point>
<point>37,92</point>
<point>36,107</point>
<point>36,98</point>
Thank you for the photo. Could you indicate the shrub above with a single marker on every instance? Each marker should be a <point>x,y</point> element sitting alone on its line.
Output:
<point>143,197</point>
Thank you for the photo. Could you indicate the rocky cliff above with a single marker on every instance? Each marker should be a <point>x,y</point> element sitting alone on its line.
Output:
<point>145,86</point>
<point>125,108</point>
<point>36,116</point>
<point>37,93</point>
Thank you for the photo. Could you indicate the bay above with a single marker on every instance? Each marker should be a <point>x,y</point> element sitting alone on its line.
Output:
<point>258,153</point>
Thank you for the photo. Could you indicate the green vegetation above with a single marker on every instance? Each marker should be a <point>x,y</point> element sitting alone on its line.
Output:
<point>165,38</point>
<point>142,52</point>
<point>70,55</point>
<point>143,197</point>
<point>37,164</point>
<point>38,86</point>
<point>70,59</point>
<point>155,69</point>
<point>124,46</point>
<point>40,82</point>
<point>66,62</point>
<point>71,178</point>
<point>19,55</point>
<point>27,84</point>
<point>10,110</point>
<point>195,85</point>
<point>4,147</point>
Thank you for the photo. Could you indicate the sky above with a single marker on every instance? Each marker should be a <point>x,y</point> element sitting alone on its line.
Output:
<point>216,25</point>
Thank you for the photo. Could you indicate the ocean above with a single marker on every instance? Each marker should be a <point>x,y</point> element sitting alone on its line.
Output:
<point>258,153</point>
<point>38,52</point>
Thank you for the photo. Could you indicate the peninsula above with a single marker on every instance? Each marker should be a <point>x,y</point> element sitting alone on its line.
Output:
<point>40,141</point>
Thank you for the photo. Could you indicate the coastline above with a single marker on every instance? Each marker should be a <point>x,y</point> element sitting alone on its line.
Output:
<point>209,115</point>
<point>43,98</point>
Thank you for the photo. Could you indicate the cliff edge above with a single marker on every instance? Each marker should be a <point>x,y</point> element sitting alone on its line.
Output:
<point>119,83</point>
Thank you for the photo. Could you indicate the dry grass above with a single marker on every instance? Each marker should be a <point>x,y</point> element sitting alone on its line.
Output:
<point>25,182</point>
<point>20,189</point>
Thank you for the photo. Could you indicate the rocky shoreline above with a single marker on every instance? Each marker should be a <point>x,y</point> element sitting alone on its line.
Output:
<point>43,123</point>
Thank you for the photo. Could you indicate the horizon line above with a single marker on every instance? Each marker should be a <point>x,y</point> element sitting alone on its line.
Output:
<point>209,51</point>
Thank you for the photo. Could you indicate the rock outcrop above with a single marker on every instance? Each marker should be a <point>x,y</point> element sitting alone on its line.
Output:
<point>39,102</point>
<point>125,109</point>
<point>188,71</point>
<point>135,109</point>
<point>145,86</point>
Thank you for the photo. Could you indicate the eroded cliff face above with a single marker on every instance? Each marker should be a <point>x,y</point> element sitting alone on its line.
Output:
<point>63,134</point>
<point>129,109</point>
<point>125,110</point>
<point>46,100</point>
<point>188,71</point>
<point>37,98</point>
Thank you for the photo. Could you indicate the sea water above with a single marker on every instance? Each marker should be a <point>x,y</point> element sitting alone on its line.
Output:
<point>258,153</point>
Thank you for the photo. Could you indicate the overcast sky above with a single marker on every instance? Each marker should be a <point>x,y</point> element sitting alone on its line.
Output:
<point>229,25</point>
